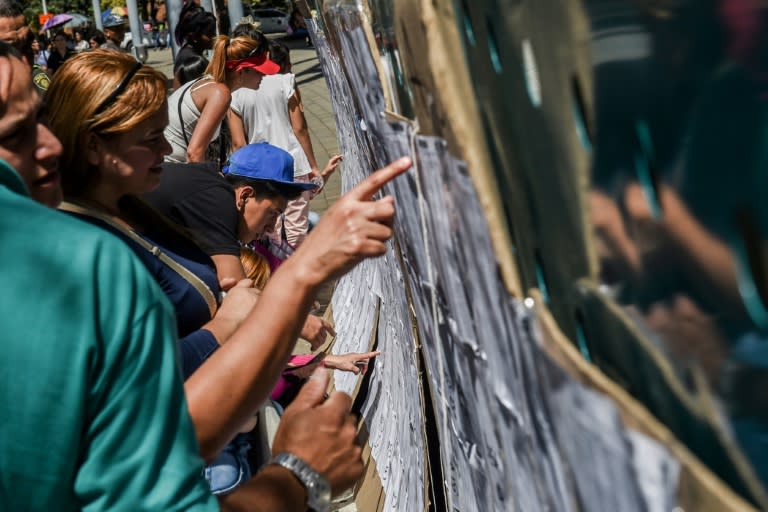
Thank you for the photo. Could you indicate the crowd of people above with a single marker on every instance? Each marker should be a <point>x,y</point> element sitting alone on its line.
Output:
<point>52,47</point>
<point>152,310</point>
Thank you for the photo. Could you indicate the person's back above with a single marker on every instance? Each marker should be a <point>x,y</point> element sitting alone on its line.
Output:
<point>182,121</point>
<point>264,112</point>
<point>199,198</point>
<point>94,416</point>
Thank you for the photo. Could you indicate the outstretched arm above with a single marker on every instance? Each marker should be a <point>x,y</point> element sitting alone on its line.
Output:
<point>351,362</point>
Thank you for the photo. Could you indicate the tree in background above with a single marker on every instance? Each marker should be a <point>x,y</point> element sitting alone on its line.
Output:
<point>147,8</point>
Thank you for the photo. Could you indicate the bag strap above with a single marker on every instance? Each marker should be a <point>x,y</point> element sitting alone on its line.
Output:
<point>219,140</point>
<point>222,140</point>
<point>181,270</point>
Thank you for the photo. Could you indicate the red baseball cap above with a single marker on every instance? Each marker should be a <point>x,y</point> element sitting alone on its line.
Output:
<point>258,62</point>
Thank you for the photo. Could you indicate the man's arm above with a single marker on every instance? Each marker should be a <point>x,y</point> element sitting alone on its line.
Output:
<point>316,331</point>
<point>274,488</point>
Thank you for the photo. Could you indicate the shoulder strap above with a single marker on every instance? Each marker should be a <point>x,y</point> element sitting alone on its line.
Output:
<point>181,117</point>
<point>182,271</point>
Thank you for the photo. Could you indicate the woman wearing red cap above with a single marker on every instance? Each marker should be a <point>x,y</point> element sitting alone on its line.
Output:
<point>195,111</point>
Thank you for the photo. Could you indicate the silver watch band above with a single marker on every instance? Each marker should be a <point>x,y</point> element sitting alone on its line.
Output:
<point>318,488</point>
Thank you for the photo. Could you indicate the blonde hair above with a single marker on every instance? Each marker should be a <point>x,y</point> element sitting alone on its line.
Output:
<point>256,267</point>
<point>80,86</point>
<point>226,48</point>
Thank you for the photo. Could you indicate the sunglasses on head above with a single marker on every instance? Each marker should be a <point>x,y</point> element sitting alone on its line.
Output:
<point>119,89</point>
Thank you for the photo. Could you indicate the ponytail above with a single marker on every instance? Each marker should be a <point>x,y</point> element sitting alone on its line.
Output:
<point>226,49</point>
<point>217,68</point>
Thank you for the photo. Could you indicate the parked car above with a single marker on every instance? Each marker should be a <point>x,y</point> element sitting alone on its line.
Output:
<point>127,43</point>
<point>139,53</point>
<point>272,20</point>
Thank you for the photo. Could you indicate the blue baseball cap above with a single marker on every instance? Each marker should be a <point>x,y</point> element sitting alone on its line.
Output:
<point>264,162</point>
<point>111,20</point>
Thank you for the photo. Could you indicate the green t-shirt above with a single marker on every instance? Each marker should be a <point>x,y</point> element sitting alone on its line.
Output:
<point>92,408</point>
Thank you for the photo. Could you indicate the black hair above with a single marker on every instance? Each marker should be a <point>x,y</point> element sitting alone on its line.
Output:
<point>193,20</point>
<point>264,189</point>
<point>98,36</point>
<point>11,9</point>
<point>191,67</point>
<point>248,30</point>
<point>280,55</point>
<point>8,50</point>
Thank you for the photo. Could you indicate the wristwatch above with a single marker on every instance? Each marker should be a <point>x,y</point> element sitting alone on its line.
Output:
<point>318,488</point>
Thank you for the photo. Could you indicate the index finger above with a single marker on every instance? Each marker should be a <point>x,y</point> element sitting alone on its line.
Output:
<point>373,183</point>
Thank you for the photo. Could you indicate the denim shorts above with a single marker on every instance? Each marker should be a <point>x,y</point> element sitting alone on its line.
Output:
<point>230,468</point>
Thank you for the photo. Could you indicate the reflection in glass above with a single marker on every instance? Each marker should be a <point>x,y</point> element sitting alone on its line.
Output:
<point>678,189</point>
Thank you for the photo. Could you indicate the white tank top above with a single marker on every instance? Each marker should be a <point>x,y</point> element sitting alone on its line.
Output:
<point>189,113</point>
